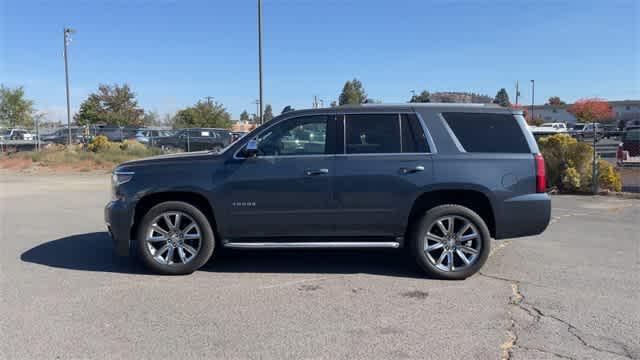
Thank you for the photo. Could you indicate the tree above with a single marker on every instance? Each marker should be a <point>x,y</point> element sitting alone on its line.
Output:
<point>591,110</point>
<point>151,118</point>
<point>112,104</point>
<point>423,97</point>
<point>91,111</point>
<point>352,93</point>
<point>15,110</point>
<point>502,98</point>
<point>286,109</point>
<point>203,114</point>
<point>268,113</point>
<point>244,116</point>
<point>555,101</point>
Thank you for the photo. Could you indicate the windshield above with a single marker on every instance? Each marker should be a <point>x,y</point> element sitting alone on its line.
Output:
<point>546,125</point>
<point>578,127</point>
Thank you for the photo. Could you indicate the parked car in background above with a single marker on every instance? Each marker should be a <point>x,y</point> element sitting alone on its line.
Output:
<point>115,133</point>
<point>196,139</point>
<point>61,136</point>
<point>151,136</point>
<point>629,147</point>
<point>611,131</point>
<point>583,132</point>
<point>17,134</point>
<point>236,135</point>
<point>438,179</point>
<point>548,129</point>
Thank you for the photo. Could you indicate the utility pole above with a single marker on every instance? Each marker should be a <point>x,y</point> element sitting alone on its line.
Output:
<point>258,108</point>
<point>260,58</point>
<point>517,92</point>
<point>533,92</point>
<point>208,98</point>
<point>67,38</point>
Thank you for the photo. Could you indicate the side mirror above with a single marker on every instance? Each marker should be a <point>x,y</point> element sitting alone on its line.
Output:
<point>251,149</point>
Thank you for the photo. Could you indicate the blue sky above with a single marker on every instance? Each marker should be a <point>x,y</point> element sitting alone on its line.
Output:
<point>173,53</point>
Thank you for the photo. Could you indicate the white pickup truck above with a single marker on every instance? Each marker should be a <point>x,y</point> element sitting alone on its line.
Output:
<point>549,129</point>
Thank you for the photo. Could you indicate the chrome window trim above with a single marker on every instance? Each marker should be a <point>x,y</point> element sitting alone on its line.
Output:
<point>400,129</point>
<point>453,136</point>
<point>383,154</point>
<point>427,134</point>
<point>344,133</point>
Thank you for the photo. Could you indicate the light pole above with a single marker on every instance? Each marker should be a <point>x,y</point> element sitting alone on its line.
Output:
<point>413,94</point>
<point>260,57</point>
<point>533,93</point>
<point>67,38</point>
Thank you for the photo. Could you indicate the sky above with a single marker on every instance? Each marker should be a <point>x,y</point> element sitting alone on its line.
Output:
<point>174,53</point>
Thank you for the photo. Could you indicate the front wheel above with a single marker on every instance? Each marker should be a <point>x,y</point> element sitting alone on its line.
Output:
<point>451,242</point>
<point>175,238</point>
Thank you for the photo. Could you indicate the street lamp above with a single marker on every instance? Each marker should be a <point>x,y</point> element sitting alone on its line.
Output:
<point>67,39</point>
<point>533,92</point>
<point>260,57</point>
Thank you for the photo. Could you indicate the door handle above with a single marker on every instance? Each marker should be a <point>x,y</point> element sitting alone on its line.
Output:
<point>313,172</point>
<point>412,170</point>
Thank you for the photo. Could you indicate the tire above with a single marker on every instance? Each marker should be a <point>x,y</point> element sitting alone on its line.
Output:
<point>435,262</point>
<point>187,247</point>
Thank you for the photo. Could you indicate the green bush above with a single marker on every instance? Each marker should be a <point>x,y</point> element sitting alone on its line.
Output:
<point>569,165</point>
<point>571,179</point>
<point>608,176</point>
<point>99,144</point>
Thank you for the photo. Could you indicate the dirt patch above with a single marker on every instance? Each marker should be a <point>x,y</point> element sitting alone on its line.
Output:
<point>16,163</point>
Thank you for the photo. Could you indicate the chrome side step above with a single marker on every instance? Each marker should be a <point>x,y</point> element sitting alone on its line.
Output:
<point>313,245</point>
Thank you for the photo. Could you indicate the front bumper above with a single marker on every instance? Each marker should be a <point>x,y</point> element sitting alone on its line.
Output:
<point>118,220</point>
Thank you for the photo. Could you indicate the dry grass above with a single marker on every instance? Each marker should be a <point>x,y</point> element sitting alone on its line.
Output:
<point>60,158</point>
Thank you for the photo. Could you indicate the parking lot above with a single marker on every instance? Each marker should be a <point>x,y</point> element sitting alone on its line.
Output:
<point>572,292</point>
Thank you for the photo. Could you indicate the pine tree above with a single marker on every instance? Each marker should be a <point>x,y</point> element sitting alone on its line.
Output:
<point>502,98</point>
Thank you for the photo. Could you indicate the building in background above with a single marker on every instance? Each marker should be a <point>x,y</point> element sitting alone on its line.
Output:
<point>624,110</point>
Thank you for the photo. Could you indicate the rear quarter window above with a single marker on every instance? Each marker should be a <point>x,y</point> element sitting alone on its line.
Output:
<point>487,133</point>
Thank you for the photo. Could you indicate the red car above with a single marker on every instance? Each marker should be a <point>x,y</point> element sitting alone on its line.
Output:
<point>629,148</point>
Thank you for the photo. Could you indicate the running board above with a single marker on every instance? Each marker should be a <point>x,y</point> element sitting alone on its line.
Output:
<point>313,245</point>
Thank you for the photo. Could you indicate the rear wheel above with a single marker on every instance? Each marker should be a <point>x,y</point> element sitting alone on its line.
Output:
<point>451,242</point>
<point>175,238</point>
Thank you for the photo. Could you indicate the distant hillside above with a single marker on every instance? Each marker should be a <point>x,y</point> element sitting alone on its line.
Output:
<point>459,97</point>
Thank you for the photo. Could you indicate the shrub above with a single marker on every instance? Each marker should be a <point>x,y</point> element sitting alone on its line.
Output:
<point>571,179</point>
<point>99,144</point>
<point>569,165</point>
<point>608,176</point>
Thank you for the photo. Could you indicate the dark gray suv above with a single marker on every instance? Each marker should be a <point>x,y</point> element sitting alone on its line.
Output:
<point>439,179</point>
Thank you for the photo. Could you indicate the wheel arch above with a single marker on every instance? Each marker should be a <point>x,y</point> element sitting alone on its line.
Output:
<point>471,198</point>
<point>144,204</point>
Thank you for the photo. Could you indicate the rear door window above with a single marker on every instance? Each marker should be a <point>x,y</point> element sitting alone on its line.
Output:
<point>487,133</point>
<point>372,134</point>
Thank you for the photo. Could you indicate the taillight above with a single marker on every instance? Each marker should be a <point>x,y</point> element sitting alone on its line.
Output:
<point>541,177</point>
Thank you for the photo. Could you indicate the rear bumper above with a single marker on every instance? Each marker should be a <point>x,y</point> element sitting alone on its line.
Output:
<point>523,215</point>
<point>118,220</point>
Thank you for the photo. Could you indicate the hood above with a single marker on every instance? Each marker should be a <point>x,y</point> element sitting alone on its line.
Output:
<point>171,158</point>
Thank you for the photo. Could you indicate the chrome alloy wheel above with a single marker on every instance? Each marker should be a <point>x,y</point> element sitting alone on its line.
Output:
<point>452,243</point>
<point>173,238</point>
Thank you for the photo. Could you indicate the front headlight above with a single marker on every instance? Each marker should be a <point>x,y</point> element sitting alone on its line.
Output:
<point>120,177</point>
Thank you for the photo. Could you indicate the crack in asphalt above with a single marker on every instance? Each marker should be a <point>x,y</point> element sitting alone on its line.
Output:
<point>517,299</point>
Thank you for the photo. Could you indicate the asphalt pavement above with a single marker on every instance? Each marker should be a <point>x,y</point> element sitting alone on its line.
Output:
<point>573,292</point>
